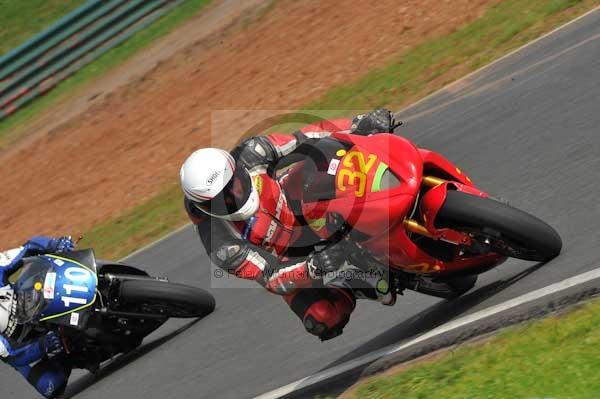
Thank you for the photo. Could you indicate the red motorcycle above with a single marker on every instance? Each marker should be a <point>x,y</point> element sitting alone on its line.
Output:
<point>411,212</point>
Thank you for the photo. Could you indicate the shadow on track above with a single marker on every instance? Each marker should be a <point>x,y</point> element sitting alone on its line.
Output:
<point>121,361</point>
<point>425,321</point>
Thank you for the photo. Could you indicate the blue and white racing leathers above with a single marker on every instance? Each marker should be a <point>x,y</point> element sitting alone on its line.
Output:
<point>48,375</point>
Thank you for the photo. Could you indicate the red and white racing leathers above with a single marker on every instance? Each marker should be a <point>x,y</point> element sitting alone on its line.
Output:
<point>258,248</point>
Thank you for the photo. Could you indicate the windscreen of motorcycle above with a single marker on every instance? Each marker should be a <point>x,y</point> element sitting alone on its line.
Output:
<point>320,169</point>
<point>29,289</point>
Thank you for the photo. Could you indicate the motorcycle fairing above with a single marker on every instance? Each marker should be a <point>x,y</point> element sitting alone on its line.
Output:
<point>380,213</point>
<point>70,292</point>
<point>359,173</point>
<point>436,165</point>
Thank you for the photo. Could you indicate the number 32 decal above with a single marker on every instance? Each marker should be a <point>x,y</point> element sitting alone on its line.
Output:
<point>355,175</point>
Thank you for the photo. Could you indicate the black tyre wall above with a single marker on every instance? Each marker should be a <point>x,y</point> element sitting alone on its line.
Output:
<point>464,210</point>
<point>197,302</point>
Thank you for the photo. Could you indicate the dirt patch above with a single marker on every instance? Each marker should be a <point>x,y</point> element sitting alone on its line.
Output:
<point>123,148</point>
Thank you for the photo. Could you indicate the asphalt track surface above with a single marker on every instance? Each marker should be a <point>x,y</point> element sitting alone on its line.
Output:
<point>526,129</point>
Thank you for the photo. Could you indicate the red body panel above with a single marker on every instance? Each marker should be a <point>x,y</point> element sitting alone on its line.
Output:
<point>355,200</point>
<point>437,165</point>
<point>380,213</point>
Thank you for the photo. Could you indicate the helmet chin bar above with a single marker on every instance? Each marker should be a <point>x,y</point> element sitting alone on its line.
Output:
<point>245,212</point>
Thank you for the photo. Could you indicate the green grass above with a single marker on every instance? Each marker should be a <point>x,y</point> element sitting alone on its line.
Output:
<point>557,357</point>
<point>412,75</point>
<point>22,19</point>
<point>9,127</point>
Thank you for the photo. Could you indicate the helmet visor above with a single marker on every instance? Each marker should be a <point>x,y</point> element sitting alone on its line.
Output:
<point>232,197</point>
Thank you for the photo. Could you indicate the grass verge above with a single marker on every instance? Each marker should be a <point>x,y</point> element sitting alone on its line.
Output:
<point>414,74</point>
<point>556,357</point>
<point>23,19</point>
<point>142,39</point>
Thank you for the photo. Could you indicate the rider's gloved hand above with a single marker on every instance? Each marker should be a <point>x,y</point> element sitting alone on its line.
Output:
<point>326,261</point>
<point>32,351</point>
<point>62,244</point>
<point>380,120</point>
<point>50,245</point>
<point>52,344</point>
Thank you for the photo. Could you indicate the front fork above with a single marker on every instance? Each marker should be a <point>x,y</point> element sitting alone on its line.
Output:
<point>431,203</point>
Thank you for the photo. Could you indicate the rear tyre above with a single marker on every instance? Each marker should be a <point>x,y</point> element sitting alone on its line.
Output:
<point>506,230</point>
<point>167,299</point>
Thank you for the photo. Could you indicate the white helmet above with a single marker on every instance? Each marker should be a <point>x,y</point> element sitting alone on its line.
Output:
<point>8,307</point>
<point>211,180</point>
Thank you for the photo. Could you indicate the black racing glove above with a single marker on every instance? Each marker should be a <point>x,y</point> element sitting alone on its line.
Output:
<point>380,120</point>
<point>326,261</point>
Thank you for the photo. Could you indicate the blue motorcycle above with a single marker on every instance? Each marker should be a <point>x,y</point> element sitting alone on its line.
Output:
<point>100,309</point>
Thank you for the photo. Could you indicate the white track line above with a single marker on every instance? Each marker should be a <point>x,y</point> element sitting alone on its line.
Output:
<point>453,325</point>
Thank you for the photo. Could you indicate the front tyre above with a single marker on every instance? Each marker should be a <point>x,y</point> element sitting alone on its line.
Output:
<point>166,299</point>
<point>506,230</point>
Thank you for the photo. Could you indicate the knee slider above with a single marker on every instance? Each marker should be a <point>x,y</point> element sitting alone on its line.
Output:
<point>324,312</point>
<point>314,326</point>
<point>324,320</point>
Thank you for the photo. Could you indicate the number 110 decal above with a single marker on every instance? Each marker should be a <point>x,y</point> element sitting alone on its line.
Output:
<point>78,277</point>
